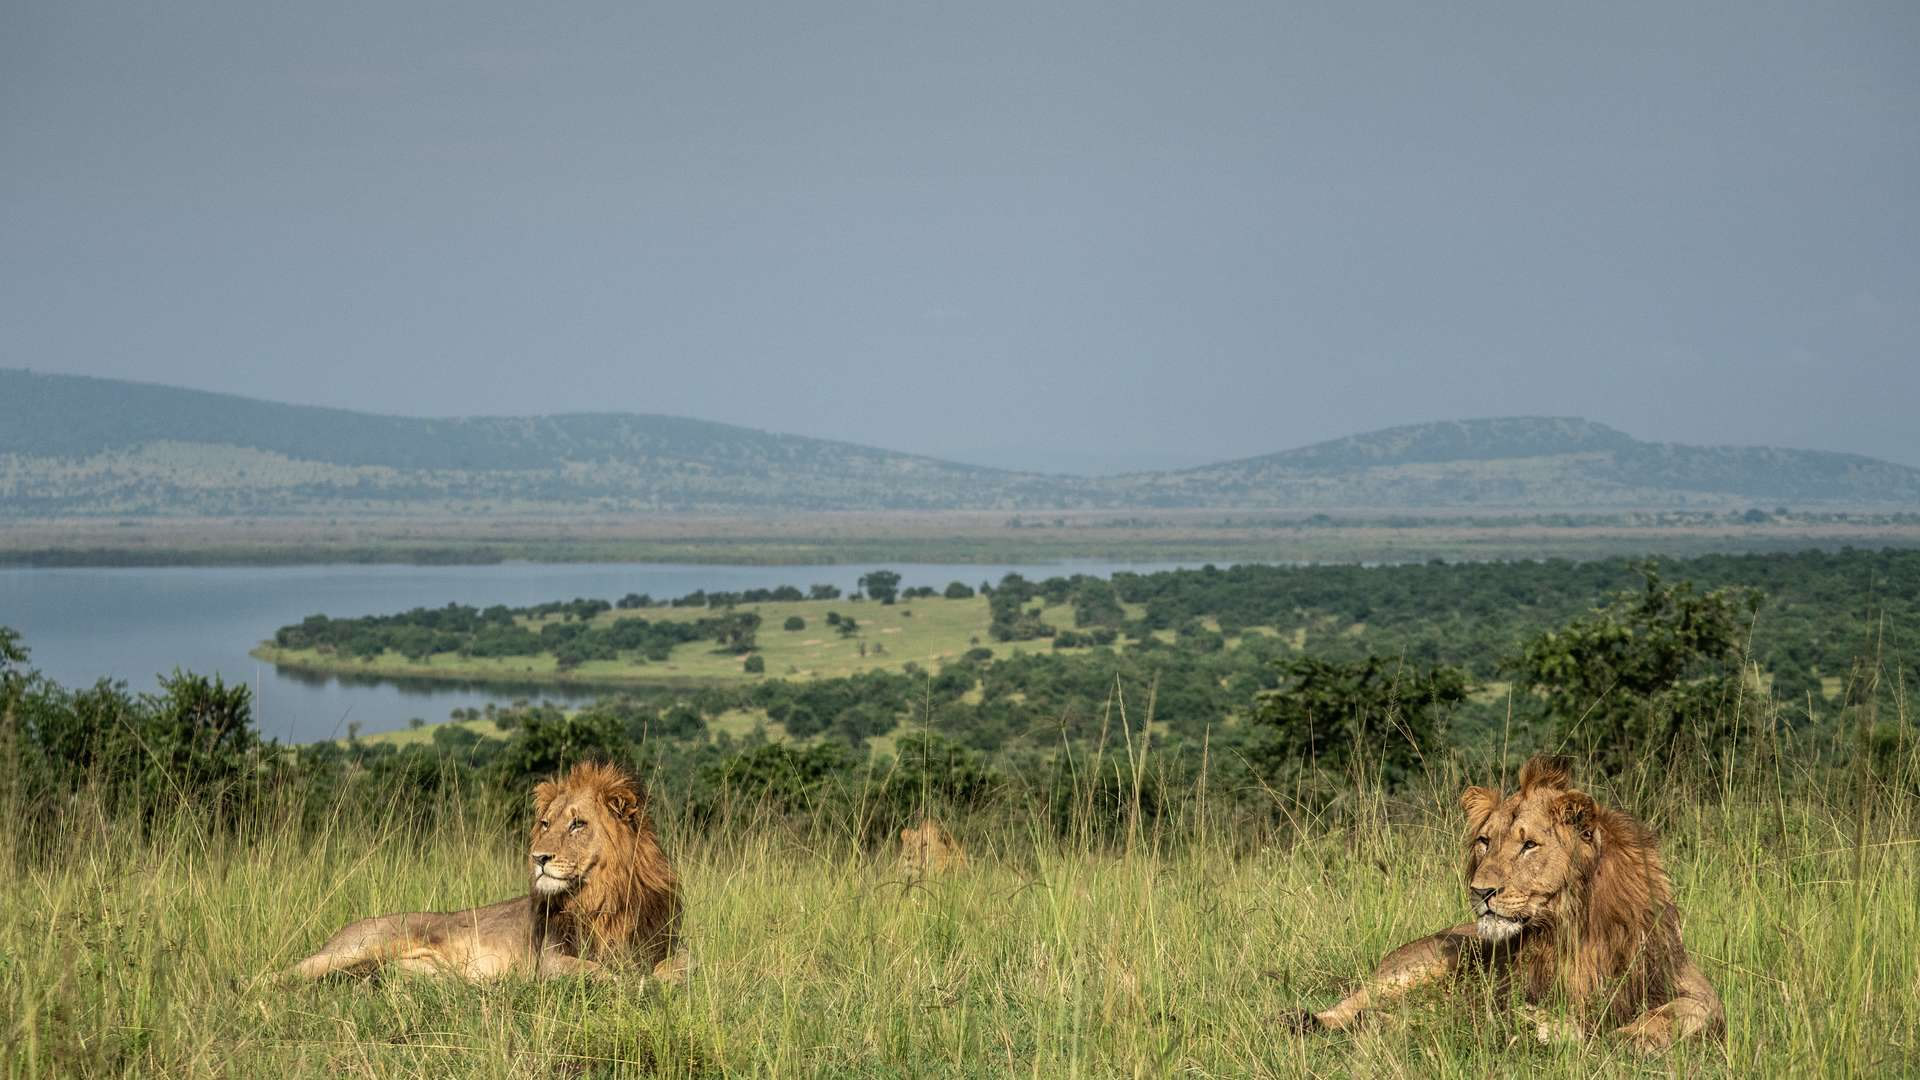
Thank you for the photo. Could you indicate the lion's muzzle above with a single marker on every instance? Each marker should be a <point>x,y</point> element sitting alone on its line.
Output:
<point>1492,925</point>
<point>550,877</point>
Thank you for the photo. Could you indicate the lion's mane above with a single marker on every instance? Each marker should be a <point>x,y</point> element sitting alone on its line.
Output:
<point>1612,935</point>
<point>629,907</point>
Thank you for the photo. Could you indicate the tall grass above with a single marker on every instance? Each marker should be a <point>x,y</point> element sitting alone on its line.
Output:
<point>1175,946</point>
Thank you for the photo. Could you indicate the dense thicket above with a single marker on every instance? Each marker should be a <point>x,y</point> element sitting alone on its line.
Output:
<point>500,631</point>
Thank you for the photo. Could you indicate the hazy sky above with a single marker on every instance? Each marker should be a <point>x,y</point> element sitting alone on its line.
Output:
<point>1034,234</point>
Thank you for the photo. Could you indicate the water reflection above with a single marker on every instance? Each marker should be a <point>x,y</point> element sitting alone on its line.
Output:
<point>417,687</point>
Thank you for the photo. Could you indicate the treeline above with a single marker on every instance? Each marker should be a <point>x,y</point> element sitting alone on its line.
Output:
<point>1641,669</point>
<point>1819,610</point>
<point>496,631</point>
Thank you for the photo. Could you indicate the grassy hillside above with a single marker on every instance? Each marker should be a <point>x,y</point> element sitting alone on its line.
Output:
<point>84,446</point>
<point>1519,461</point>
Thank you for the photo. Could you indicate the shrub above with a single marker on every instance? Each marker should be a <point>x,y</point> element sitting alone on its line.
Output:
<point>1328,713</point>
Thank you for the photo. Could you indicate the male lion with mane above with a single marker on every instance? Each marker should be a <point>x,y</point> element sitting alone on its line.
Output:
<point>602,896</point>
<point>1571,904</point>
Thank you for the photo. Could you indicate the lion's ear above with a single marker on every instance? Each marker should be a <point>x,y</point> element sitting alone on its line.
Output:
<point>623,804</point>
<point>1575,810</point>
<point>1478,802</point>
<point>1545,770</point>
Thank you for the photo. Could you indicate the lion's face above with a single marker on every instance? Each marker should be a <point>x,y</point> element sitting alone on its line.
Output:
<point>1526,853</point>
<point>574,825</point>
<point>928,848</point>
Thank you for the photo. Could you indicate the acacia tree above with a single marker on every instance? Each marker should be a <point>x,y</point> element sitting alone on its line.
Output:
<point>1631,678</point>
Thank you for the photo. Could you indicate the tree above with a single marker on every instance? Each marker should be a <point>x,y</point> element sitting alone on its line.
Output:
<point>1627,680</point>
<point>794,622</point>
<point>756,664</point>
<point>1327,714</point>
<point>882,585</point>
<point>13,659</point>
<point>683,721</point>
<point>550,741</point>
<point>12,653</point>
<point>735,634</point>
<point>959,590</point>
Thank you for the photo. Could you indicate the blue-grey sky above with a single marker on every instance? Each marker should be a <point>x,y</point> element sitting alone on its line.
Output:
<point>1074,235</point>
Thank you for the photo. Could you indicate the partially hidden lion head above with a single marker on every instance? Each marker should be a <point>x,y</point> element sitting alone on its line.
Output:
<point>928,848</point>
<point>594,854</point>
<point>1529,853</point>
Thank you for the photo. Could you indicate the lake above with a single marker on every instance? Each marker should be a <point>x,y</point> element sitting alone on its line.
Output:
<point>136,624</point>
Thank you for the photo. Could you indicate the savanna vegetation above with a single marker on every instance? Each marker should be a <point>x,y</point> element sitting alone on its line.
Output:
<point>1032,662</point>
<point>1178,838</point>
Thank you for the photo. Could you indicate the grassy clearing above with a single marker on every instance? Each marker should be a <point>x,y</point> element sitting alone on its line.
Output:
<point>1177,953</point>
<point>926,631</point>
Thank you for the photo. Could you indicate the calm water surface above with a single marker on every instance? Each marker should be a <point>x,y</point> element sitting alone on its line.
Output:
<point>136,624</point>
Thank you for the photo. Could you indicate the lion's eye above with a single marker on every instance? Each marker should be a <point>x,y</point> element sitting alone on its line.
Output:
<point>1480,841</point>
<point>1528,846</point>
<point>577,825</point>
<point>543,823</point>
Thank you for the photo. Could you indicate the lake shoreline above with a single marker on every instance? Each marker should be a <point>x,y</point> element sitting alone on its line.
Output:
<point>133,625</point>
<point>355,671</point>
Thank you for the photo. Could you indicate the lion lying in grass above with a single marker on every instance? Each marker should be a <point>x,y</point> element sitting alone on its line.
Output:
<point>928,848</point>
<point>602,896</point>
<point>1572,904</point>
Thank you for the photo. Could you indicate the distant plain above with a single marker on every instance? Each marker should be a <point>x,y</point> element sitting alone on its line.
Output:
<point>793,538</point>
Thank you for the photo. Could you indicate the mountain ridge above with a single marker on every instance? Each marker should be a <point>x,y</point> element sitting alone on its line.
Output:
<point>86,445</point>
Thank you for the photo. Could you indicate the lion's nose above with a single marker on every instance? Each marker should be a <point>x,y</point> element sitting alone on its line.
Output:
<point>1483,895</point>
<point>541,858</point>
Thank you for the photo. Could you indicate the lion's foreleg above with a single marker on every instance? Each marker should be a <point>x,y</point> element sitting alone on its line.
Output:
<point>676,968</point>
<point>1694,1011</point>
<point>559,965</point>
<point>1413,965</point>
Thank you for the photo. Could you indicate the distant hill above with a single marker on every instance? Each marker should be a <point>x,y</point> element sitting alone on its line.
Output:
<point>86,446</point>
<point>1531,461</point>
<point>73,444</point>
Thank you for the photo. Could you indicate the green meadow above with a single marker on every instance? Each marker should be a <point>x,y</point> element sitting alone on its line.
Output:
<point>926,631</point>
<point>1176,950</point>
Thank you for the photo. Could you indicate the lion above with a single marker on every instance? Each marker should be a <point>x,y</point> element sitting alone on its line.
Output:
<point>928,848</point>
<point>602,896</point>
<point>1571,903</point>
